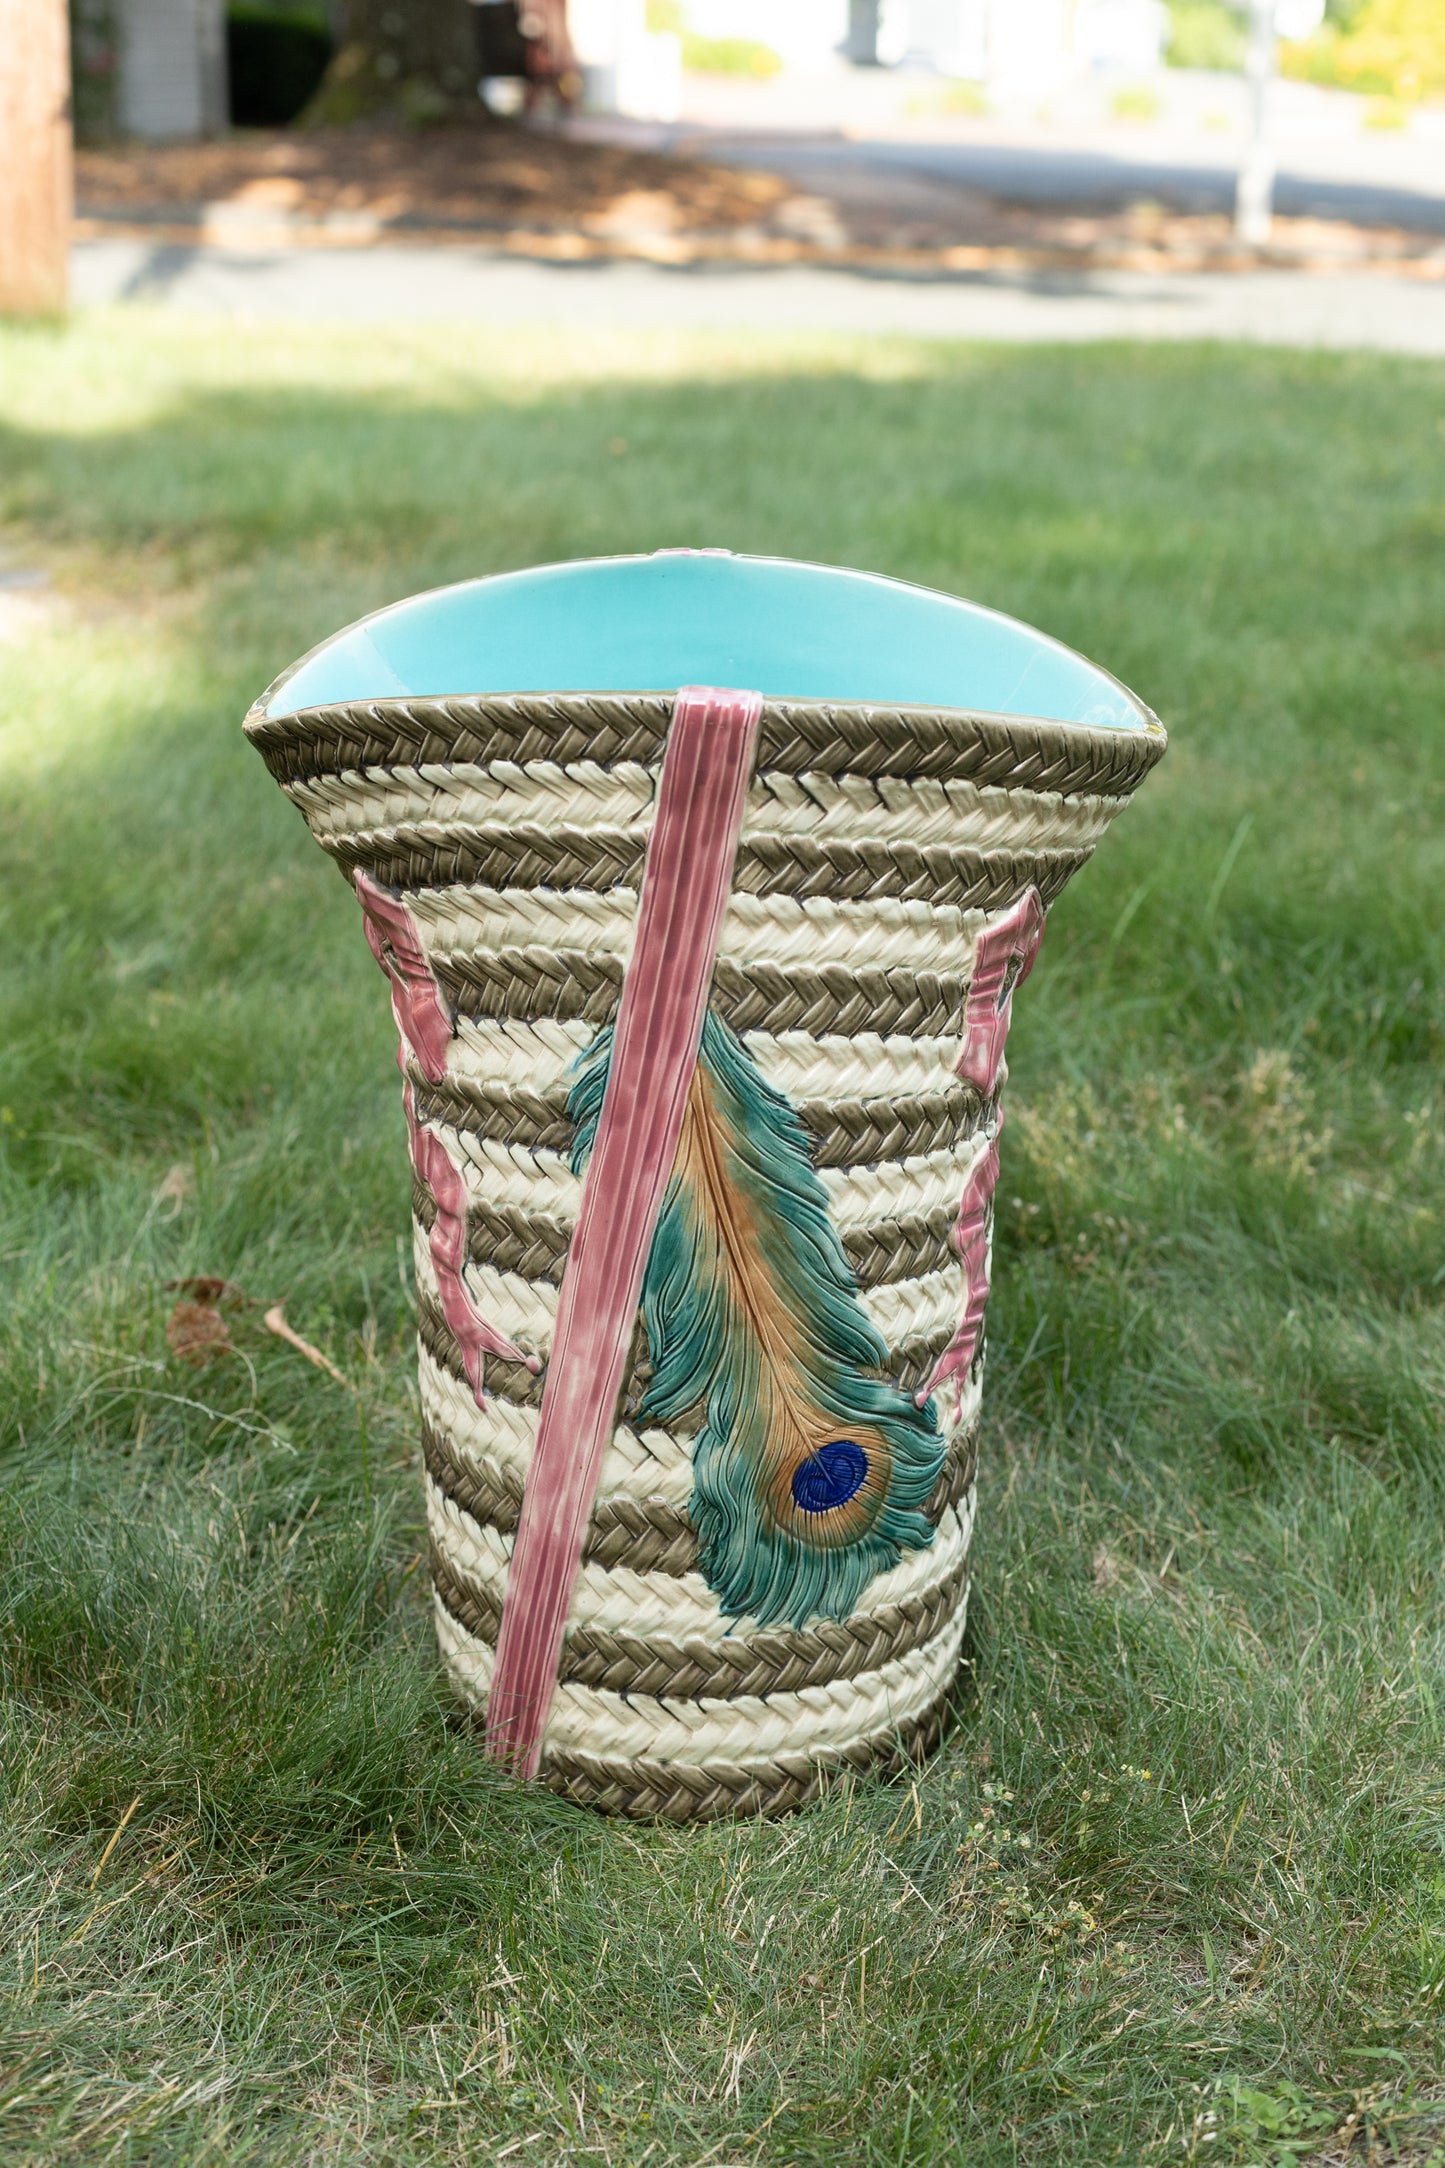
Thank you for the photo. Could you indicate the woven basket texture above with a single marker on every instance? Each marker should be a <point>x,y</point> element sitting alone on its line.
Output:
<point>877,846</point>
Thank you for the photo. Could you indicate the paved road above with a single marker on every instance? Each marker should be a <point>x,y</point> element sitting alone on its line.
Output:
<point>1090,179</point>
<point>386,283</point>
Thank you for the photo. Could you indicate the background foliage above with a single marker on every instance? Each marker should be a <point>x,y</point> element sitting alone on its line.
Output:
<point>1393,48</point>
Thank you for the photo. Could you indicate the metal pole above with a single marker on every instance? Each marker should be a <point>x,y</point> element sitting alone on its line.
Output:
<point>35,156</point>
<point>1254,191</point>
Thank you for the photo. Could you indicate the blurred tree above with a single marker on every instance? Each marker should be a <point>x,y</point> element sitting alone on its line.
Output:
<point>414,57</point>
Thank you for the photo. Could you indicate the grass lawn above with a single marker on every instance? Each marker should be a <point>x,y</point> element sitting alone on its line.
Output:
<point>1174,1889</point>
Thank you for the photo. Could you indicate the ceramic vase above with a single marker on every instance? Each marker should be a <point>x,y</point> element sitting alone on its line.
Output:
<point>703,885</point>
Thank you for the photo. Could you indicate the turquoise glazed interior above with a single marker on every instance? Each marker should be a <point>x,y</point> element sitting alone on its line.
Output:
<point>703,617</point>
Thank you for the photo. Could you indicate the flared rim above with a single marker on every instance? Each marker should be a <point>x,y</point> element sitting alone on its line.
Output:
<point>805,634</point>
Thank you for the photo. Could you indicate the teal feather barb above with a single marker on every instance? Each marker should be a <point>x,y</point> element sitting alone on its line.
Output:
<point>810,1473</point>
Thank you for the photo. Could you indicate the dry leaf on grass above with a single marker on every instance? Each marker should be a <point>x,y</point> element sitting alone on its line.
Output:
<point>275,1321</point>
<point>195,1331</point>
<point>205,1287</point>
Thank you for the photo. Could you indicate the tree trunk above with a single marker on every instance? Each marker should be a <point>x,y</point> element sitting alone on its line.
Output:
<point>35,156</point>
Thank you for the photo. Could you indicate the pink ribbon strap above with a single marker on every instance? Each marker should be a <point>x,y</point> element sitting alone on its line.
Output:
<point>685,889</point>
<point>424,1030</point>
<point>423,1023</point>
<point>1002,961</point>
<point>474,1333</point>
<point>970,1240</point>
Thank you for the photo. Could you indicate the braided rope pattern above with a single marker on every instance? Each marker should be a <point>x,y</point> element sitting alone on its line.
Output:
<point>911,1359</point>
<point>957,1476</point>
<point>508,1238</point>
<point>900,1249</point>
<point>526,1310</point>
<point>584,795</point>
<point>858,1197</point>
<point>782,930</point>
<point>826,737</point>
<point>911,1309</point>
<point>649,1791</point>
<point>775,1661</point>
<point>672,1607</point>
<point>641,1461</point>
<point>437,856</point>
<point>836,998</point>
<point>909,1188</point>
<point>854,1132</point>
<point>509,1114</point>
<point>512,1382</point>
<point>505,1381</point>
<point>530,983</point>
<point>433,855</point>
<point>539,1181</point>
<point>932,873</point>
<point>845,1132</point>
<point>644,1534</point>
<point>810,1719</point>
<point>538,1055</point>
<point>504,1236</point>
<point>588,796</point>
<point>661,1533</point>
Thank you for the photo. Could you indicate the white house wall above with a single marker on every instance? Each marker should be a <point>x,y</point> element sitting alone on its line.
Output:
<point>1016,45</point>
<point>172,67</point>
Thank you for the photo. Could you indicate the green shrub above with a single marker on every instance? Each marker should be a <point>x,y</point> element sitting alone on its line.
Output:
<point>1205,34</point>
<point>1135,101</point>
<point>1389,49</point>
<point>94,51</point>
<point>276,57</point>
<point>728,56</point>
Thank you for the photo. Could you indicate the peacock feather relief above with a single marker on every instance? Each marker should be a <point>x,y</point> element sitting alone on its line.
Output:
<point>810,1472</point>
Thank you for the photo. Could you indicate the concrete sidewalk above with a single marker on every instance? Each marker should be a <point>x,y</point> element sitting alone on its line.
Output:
<point>385,284</point>
<point>1091,176</point>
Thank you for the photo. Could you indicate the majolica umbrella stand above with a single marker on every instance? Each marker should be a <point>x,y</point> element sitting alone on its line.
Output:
<point>703,885</point>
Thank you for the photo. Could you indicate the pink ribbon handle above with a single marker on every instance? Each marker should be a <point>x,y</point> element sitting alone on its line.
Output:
<point>685,888</point>
<point>1003,958</point>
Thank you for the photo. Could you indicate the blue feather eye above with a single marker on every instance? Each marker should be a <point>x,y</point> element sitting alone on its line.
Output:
<point>830,1477</point>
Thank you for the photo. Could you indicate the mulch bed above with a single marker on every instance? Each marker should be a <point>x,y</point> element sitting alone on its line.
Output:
<point>547,192</point>
<point>487,173</point>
